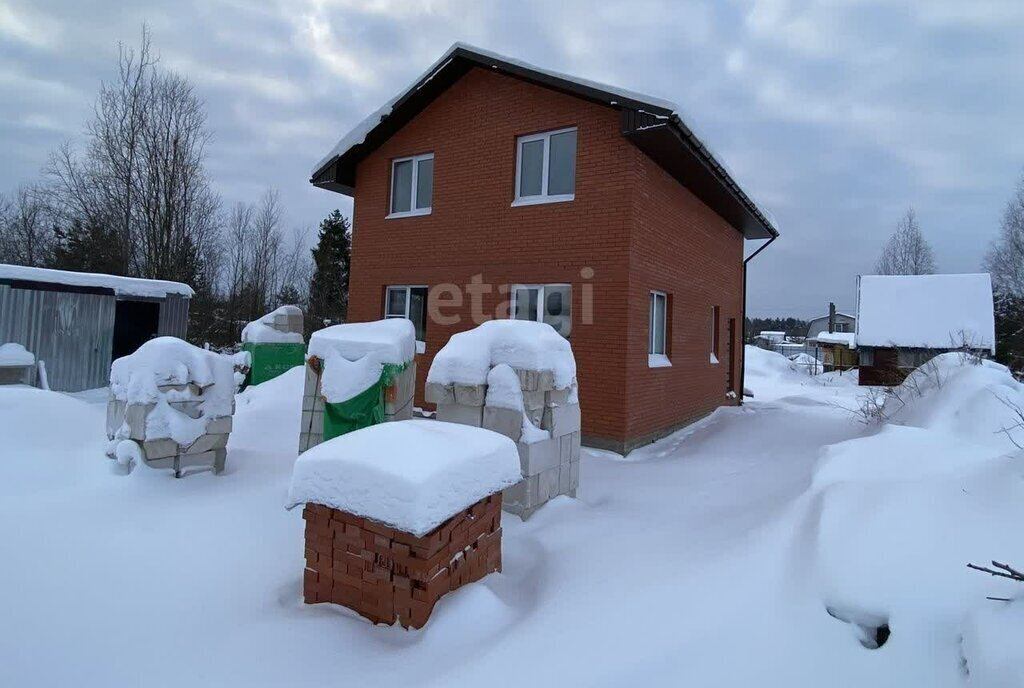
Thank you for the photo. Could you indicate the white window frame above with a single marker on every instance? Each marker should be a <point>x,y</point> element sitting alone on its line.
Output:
<point>541,297</point>
<point>715,334</point>
<point>413,210</point>
<point>657,359</point>
<point>421,345</point>
<point>543,197</point>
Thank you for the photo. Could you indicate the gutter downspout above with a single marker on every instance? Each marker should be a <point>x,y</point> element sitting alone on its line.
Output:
<point>743,322</point>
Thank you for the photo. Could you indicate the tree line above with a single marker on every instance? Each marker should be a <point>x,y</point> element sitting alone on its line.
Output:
<point>134,198</point>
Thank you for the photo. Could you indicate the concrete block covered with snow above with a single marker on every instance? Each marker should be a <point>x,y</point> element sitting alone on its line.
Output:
<point>398,514</point>
<point>518,379</point>
<point>170,406</point>
<point>17,365</point>
<point>345,361</point>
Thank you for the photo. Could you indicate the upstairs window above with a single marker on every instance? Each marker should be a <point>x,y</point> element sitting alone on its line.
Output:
<point>412,185</point>
<point>547,303</point>
<point>546,167</point>
<point>409,303</point>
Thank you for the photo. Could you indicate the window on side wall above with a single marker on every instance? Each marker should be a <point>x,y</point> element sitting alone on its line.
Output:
<point>548,303</point>
<point>411,303</point>
<point>714,334</point>
<point>657,352</point>
<point>546,167</point>
<point>412,185</point>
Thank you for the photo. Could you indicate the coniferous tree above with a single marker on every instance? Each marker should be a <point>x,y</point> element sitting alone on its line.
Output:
<point>328,290</point>
<point>87,247</point>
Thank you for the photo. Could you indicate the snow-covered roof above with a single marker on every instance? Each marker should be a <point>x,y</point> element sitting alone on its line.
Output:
<point>411,475</point>
<point>925,311</point>
<point>825,317</point>
<point>847,338</point>
<point>122,286</point>
<point>665,112</point>
<point>359,132</point>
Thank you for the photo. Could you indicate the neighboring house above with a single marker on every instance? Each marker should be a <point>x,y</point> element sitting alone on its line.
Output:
<point>77,323</point>
<point>905,320</point>
<point>769,339</point>
<point>834,340</point>
<point>843,323</point>
<point>490,188</point>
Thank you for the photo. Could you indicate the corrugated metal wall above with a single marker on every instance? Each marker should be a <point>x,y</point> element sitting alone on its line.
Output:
<point>173,317</point>
<point>73,333</point>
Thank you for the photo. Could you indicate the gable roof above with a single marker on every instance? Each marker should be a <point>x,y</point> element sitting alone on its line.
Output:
<point>652,124</point>
<point>825,317</point>
<point>925,311</point>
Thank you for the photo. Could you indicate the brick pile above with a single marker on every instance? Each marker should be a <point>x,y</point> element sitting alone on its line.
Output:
<point>397,398</point>
<point>550,466</point>
<point>388,575</point>
<point>128,421</point>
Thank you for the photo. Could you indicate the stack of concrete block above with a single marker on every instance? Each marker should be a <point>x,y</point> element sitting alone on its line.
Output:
<point>398,401</point>
<point>17,365</point>
<point>549,459</point>
<point>127,421</point>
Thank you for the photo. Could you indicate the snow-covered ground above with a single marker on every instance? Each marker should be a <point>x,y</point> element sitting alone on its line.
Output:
<point>708,559</point>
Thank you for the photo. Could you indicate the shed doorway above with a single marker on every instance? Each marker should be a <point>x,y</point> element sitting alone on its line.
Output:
<point>135,323</point>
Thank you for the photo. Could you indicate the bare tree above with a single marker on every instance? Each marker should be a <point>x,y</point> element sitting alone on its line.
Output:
<point>907,252</point>
<point>26,235</point>
<point>141,172</point>
<point>1005,258</point>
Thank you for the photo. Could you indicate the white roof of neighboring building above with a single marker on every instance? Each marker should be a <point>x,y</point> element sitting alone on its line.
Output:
<point>771,334</point>
<point>926,311</point>
<point>847,338</point>
<point>122,286</point>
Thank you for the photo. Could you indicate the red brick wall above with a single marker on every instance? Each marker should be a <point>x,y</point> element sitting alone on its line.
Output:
<point>681,247</point>
<point>627,214</point>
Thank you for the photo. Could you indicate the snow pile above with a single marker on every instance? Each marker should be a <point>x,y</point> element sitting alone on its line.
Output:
<point>956,393</point>
<point>343,379</point>
<point>992,647</point>
<point>122,286</point>
<point>392,340</point>
<point>411,475</point>
<point>267,331</point>
<point>763,364</point>
<point>12,354</point>
<point>468,356</point>
<point>926,311</point>
<point>168,372</point>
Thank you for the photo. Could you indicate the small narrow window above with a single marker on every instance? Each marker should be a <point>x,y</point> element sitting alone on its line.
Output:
<point>656,353</point>
<point>547,303</point>
<point>412,185</point>
<point>546,167</point>
<point>410,303</point>
<point>714,334</point>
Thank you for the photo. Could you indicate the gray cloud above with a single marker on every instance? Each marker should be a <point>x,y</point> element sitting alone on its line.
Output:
<point>835,114</point>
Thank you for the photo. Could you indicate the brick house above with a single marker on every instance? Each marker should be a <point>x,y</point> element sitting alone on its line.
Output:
<point>491,188</point>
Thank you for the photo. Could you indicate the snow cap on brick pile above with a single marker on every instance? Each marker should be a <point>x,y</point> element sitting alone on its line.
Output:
<point>411,475</point>
<point>344,379</point>
<point>136,379</point>
<point>262,331</point>
<point>468,356</point>
<point>392,340</point>
<point>13,354</point>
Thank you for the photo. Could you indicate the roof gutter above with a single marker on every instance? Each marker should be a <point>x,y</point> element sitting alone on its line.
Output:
<point>743,321</point>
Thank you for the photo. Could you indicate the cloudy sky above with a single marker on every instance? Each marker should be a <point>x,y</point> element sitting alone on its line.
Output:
<point>835,114</point>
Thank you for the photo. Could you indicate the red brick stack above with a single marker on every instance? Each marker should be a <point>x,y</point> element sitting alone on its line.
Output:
<point>387,575</point>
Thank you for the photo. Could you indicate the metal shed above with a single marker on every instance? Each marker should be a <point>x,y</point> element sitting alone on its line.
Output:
<point>77,323</point>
